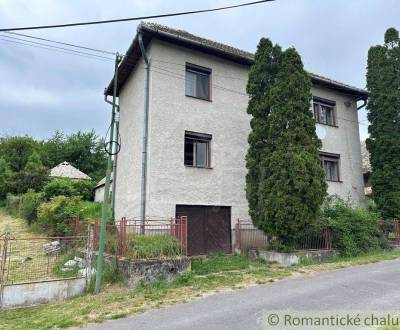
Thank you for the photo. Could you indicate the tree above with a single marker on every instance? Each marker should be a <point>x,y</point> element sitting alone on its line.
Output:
<point>383,84</point>
<point>34,176</point>
<point>16,150</point>
<point>262,76</point>
<point>5,178</point>
<point>291,183</point>
<point>84,150</point>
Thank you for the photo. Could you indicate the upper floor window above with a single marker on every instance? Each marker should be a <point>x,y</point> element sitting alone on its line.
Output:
<point>198,81</point>
<point>324,111</point>
<point>330,163</point>
<point>197,149</point>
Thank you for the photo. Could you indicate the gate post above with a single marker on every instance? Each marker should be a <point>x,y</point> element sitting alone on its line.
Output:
<point>4,238</point>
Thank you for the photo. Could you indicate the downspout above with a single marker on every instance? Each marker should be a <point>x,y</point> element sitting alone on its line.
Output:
<point>145,130</point>
<point>115,161</point>
<point>362,105</point>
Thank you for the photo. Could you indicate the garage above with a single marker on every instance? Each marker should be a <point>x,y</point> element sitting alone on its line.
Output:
<point>209,228</point>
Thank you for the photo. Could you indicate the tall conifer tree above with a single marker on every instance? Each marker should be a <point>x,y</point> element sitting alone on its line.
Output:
<point>286,195</point>
<point>383,83</point>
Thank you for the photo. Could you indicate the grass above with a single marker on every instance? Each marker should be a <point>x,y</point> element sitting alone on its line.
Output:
<point>143,247</point>
<point>16,226</point>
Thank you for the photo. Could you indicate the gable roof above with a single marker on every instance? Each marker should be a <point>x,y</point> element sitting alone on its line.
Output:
<point>188,40</point>
<point>66,170</point>
<point>102,182</point>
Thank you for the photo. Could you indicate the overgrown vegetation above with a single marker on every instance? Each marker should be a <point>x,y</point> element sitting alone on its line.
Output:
<point>285,182</point>
<point>27,191</point>
<point>69,188</point>
<point>383,83</point>
<point>146,246</point>
<point>355,230</point>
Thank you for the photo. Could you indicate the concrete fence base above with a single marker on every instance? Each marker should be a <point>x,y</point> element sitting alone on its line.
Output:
<point>293,258</point>
<point>30,294</point>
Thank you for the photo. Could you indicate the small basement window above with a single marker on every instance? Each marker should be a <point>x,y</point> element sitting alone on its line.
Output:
<point>198,82</point>
<point>197,149</point>
<point>324,111</point>
<point>330,163</point>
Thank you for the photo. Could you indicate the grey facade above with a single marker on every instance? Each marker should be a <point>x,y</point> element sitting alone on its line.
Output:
<point>223,117</point>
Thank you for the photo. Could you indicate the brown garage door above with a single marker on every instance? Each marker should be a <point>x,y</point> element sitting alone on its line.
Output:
<point>209,228</point>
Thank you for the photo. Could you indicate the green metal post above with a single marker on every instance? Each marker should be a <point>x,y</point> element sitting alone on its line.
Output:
<point>102,238</point>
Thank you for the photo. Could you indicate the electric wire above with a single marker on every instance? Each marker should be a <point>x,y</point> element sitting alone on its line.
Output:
<point>63,43</point>
<point>57,47</point>
<point>134,18</point>
<point>55,50</point>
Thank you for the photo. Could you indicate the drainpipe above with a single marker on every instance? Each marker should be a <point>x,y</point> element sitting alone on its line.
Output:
<point>145,130</point>
<point>362,105</point>
<point>115,161</point>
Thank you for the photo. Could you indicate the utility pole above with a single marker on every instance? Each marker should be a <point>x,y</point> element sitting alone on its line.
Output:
<point>110,150</point>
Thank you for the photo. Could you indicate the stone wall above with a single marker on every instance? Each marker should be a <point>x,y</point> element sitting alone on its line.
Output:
<point>135,272</point>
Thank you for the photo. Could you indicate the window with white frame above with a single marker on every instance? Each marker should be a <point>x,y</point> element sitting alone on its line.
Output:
<point>197,149</point>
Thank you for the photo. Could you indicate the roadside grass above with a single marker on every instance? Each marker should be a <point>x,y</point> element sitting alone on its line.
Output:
<point>208,276</point>
<point>342,262</point>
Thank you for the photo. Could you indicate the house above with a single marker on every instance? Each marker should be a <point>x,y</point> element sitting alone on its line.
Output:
<point>366,169</point>
<point>99,189</point>
<point>198,129</point>
<point>66,170</point>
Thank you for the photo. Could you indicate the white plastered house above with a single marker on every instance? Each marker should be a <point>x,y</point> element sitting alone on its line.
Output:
<point>198,129</point>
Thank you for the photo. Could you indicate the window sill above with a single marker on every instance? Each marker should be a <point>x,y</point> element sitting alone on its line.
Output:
<point>201,167</point>
<point>337,181</point>
<point>327,124</point>
<point>198,98</point>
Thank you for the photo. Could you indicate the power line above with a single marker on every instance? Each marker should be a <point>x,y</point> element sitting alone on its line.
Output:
<point>56,47</point>
<point>63,43</point>
<point>54,50</point>
<point>133,18</point>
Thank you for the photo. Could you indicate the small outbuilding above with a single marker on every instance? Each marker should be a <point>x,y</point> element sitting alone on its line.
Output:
<point>66,170</point>
<point>99,189</point>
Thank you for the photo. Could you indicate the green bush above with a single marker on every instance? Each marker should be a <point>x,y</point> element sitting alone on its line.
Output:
<point>69,188</point>
<point>25,206</point>
<point>51,215</point>
<point>355,230</point>
<point>85,189</point>
<point>29,204</point>
<point>142,246</point>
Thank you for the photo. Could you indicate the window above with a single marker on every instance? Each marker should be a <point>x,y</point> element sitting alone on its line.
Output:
<point>330,163</point>
<point>198,81</point>
<point>324,111</point>
<point>197,149</point>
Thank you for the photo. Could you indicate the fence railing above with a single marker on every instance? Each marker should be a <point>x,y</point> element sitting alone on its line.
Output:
<point>119,233</point>
<point>248,236</point>
<point>391,230</point>
<point>37,259</point>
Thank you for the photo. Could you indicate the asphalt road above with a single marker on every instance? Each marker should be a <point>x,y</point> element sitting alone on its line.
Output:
<point>373,287</point>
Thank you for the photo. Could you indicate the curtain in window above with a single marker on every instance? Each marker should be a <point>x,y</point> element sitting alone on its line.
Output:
<point>201,154</point>
<point>202,87</point>
<point>190,83</point>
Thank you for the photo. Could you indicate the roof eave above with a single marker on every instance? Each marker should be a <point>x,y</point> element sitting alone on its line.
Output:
<point>149,33</point>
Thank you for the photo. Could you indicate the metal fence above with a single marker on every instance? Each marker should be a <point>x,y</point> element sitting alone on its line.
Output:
<point>119,233</point>
<point>37,259</point>
<point>248,236</point>
<point>391,230</point>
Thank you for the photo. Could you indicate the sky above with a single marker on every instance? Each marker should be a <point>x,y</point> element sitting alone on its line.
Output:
<point>43,91</point>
